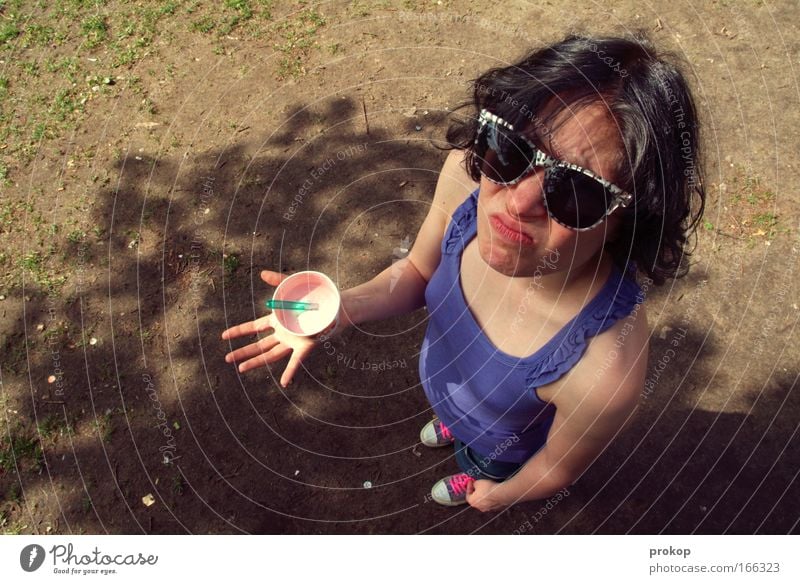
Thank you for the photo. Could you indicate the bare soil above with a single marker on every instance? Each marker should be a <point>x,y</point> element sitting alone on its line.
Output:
<point>182,179</point>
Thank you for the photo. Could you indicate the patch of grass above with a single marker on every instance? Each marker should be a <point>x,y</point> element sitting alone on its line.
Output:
<point>265,7</point>
<point>7,216</point>
<point>146,335</point>
<point>34,263</point>
<point>125,56</point>
<point>94,30</point>
<point>234,15</point>
<point>748,187</point>
<point>14,493</point>
<point>37,34</point>
<point>63,105</point>
<point>31,68</point>
<point>297,39</point>
<point>8,32</point>
<point>242,12</point>
<point>76,236</point>
<point>766,224</point>
<point>178,484</point>
<point>750,209</point>
<point>360,9</point>
<point>15,529</point>
<point>204,24</point>
<point>55,426</point>
<point>21,451</point>
<point>70,68</point>
<point>104,427</point>
<point>40,132</point>
<point>230,264</point>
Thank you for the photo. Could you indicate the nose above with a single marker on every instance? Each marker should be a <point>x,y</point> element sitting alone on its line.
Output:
<point>525,200</point>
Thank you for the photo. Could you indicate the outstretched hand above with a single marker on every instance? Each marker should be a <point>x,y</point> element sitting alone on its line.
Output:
<point>274,347</point>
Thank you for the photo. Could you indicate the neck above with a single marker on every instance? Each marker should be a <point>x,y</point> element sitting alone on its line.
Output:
<point>560,285</point>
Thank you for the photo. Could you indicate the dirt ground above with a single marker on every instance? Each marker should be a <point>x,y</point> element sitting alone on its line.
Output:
<point>147,179</point>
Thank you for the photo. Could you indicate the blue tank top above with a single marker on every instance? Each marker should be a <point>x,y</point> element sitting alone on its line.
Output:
<point>487,397</point>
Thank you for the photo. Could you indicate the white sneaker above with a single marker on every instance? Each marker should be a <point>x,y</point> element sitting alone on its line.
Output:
<point>435,434</point>
<point>452,490</point>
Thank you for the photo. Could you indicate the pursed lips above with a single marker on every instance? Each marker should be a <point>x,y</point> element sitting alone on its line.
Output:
<point>512,229</point>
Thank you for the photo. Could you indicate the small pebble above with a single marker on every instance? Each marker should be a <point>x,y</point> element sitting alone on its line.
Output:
<point>51,379</point>
<point>39,327</point>
<point>297,472</point>
<point>367,484</point>
<point>418,128</point>
<point>93,341</point>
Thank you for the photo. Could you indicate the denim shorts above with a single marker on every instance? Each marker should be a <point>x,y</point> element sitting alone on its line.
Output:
<point>483,467</point>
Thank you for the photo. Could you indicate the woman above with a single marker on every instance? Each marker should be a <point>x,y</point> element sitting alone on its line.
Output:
<point>575,173</point>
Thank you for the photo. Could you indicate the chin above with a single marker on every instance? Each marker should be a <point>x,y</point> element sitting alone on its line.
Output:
<point>507,260</point>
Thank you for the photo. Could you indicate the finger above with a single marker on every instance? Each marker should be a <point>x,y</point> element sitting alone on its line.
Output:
<point>275,354</point>
<point>252,350</point>
<point>470,488</point>
<point>294,364</point>
<point>272,278</point>
<point>248,328</point>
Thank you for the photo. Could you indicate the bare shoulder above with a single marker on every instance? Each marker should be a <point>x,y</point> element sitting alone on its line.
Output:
<point>613,369</point>
<point>452,188</point>
<point>454,184</point>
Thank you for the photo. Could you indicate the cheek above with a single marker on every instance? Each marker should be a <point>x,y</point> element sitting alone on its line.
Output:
<point>588,243</point>
<point>573,247</point>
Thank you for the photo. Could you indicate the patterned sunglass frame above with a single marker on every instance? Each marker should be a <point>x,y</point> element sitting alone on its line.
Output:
<point>542,160</point>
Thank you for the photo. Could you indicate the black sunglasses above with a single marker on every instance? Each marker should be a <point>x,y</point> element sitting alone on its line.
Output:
<point>574,197</point>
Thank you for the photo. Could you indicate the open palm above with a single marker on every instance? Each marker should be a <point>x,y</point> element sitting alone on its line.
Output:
<point>272,348</point>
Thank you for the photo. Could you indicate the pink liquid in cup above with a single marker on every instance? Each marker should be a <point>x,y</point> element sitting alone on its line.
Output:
<point>308,287</point>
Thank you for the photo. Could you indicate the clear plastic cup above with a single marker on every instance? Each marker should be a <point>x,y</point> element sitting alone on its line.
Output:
<point>308,287</point>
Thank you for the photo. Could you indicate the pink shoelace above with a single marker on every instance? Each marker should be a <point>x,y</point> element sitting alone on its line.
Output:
<point>445,432</point>
<point>459,483</point>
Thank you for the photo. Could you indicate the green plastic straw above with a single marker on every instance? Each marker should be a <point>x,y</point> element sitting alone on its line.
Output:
<point>291,305</point>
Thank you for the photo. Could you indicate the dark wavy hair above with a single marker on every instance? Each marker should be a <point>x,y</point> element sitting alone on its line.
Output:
<point>649,99</point>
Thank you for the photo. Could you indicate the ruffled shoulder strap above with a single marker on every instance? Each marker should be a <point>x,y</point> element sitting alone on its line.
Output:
<point>617,300</point>
<point>462,225</point>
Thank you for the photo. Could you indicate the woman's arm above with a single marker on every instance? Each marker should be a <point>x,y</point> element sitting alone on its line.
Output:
<point>589,416</point>
<point>400,288</point>
<point>577,437</point>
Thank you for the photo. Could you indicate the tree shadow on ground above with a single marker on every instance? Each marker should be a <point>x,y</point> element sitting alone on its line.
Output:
<point>153,409</point>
